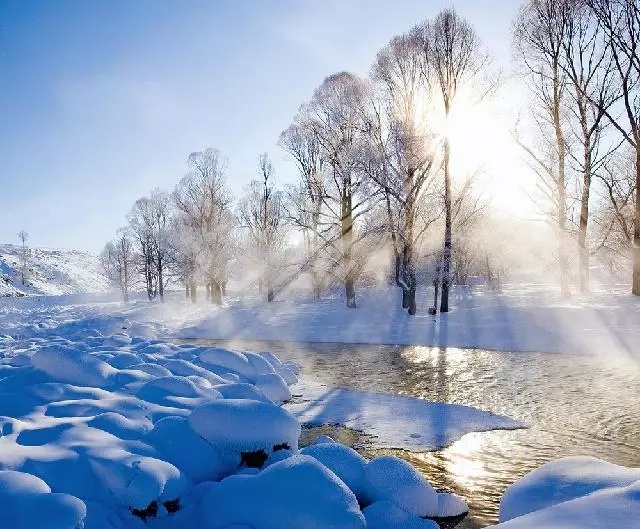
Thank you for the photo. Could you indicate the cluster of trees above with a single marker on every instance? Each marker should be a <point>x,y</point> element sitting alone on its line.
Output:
<point>373,157</point>
<point>193,234</point>
<point>581,59</point>
<point>373,162</point>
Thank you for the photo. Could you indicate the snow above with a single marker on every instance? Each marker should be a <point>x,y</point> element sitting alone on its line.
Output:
<point>393,479</point>
<point>563,480</point>
<point>617,507</point>
<point>395,421</point>
<point>52,272</point>
<point>274,387</point>
<point>344,462</point>
<point>387,515</point>
<point>297,492</point>
<point>68,365</point>
<point>237,426</point>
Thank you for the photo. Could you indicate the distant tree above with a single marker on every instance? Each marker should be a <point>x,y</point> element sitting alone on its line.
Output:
<point>24,256</point>
<point>305,201</point>
<point>118,262</point>
<point>149,221</point>
<point>262,214</point>
<point>403,156</point>
<point>203,204</point>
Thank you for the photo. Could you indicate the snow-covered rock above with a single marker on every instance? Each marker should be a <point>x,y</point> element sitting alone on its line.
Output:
<point>27,503</point>
<point>391,478</point>
<point>450,504</point>
<point>297,492</point>
<point>178,444</point>
<point>68,365</point>
<point>344,462</point>
<point>615,507</point>
<point>274,387</point>
<point>235,425</point>
<point>562,480</point>
<point>387,515</point>
<point>234,361</point>
<point>241,390</point>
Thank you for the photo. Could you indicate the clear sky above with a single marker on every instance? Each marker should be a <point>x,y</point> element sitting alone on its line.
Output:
<point>102,100</point>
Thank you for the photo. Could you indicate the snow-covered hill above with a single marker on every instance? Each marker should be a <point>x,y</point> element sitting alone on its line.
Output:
<point>51,272</point>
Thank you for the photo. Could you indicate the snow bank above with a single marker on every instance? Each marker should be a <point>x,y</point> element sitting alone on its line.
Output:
<point>396,421</point>
<point>616,507</point>
<point>563,480</point>
<point>297,492</point>
<point>68,365</point>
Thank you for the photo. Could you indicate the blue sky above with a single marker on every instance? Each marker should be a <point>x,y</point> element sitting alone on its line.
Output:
<point>100,101</point>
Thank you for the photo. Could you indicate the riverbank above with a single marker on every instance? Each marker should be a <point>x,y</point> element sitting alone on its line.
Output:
<point>519,318</point>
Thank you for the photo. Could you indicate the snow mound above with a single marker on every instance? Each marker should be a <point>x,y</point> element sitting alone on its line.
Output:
<point>241,390</point>
<point>391,478</point>
<point>28,503</point>
<point>234,425</point>
<point>563,480</point>
<point>181,446</point>
<point>387,515</point>
<point>234,361</point>
<point>68,365</point>
<point>344,462</point>
<point>450,505</point>
<point>274,387</point>
<point>297,492</point>
<point>616,507</point>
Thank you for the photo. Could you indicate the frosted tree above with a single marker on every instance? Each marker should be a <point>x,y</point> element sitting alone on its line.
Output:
<point>305,200</point>
<point>340,125</point>
<point>454,64</point>
<point>403,155</point>
<point>620,22</point>
<point>24,256</point>
<point>149,221</point>
<point>540,33</point>
<point>118,260</point>
<point>203,203</point>
<point>262,214</point>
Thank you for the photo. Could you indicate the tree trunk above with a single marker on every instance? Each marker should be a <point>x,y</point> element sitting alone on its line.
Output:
<point>446,260</point>
<point>270,292</point>
<point>160,280</point>
<point>582,233</point>
<point>192,288</point>
<point>216,293</point>
<point>186,290</point>
<point>347,247</point>
<point>635,287</point>
<point>208,287</point>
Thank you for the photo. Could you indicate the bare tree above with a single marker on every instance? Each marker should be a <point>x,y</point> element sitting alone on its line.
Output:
<point>402,160</point>
<point>305,201</point>
<point>262,214</point>
<point>24,256</point>
<point>337,117</point>
<point>620,21</point>
<point>149,222</point>
<point>588,63</point>
<point>118,262</point>
<point>540,33</point>
<point>454,63</point>
<point>203,202</point>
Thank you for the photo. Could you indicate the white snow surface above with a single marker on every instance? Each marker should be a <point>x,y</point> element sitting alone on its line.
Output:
<point>610,507</point>
<point>394,420</point>
<point>51,272</point>
<point>563,480</point>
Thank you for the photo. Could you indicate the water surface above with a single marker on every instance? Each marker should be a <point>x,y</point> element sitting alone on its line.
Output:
<point>574,405</point>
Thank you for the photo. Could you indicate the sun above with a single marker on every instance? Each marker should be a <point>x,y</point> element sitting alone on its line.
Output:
<point>482,144</point>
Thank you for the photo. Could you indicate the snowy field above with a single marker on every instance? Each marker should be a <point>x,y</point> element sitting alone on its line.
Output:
<point>105,424</point>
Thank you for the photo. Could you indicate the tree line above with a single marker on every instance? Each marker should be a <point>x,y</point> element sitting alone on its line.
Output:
<point>373,157</point>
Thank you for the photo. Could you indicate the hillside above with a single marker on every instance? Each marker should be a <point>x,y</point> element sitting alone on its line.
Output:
<point>51,272</point>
